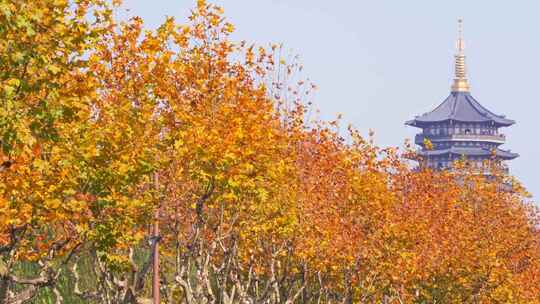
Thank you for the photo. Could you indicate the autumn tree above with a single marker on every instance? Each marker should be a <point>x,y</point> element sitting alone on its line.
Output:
<point>43,213</point>
<point>71,168</point>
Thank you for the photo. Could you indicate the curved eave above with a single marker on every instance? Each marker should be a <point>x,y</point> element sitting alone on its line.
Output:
<point>501,154</point>
<point>418,123</point>
<point>460,107</point>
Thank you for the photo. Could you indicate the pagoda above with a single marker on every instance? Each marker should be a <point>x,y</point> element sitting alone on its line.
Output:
<point>460,127</point>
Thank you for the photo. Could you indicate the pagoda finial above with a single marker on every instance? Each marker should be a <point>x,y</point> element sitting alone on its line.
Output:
<point>460,81</point>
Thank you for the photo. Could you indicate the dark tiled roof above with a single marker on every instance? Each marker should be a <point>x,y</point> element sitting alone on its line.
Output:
<point>460,106</point>
<point>472,151</point>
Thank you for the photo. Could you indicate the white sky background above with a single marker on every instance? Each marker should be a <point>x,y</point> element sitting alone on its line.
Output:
<point>380,63</point>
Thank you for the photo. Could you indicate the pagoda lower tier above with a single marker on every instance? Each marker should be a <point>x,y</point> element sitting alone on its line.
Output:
<point>444,158</point>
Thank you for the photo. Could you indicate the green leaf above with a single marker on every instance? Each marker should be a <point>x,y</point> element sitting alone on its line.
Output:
<point>53,69</point>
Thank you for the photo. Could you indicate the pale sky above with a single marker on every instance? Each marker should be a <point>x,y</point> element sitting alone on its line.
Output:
<point>380,63</point>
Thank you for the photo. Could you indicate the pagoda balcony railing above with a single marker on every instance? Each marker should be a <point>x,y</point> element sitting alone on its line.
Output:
<point>493,138</point>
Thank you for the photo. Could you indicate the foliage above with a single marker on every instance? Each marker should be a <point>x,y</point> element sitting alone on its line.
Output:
<point>107,128</point>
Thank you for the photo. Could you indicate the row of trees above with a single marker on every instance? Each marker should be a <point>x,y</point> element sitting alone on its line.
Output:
<point>107,128</point>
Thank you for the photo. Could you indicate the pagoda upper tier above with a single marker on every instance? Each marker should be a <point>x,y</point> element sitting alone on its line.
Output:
<point>460,127</point>
<point>460,107</point>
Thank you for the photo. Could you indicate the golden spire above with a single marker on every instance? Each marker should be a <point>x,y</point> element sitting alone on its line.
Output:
<point>460,82</point>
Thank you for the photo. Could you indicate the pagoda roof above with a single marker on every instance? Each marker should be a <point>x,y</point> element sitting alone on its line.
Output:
<point>470,151</point>
<point>462,107</point>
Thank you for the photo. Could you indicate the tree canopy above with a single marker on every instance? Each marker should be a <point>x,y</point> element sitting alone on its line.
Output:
<point>107,128</point>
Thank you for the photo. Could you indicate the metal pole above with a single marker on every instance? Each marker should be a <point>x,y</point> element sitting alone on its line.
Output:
<point>155,262</point>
